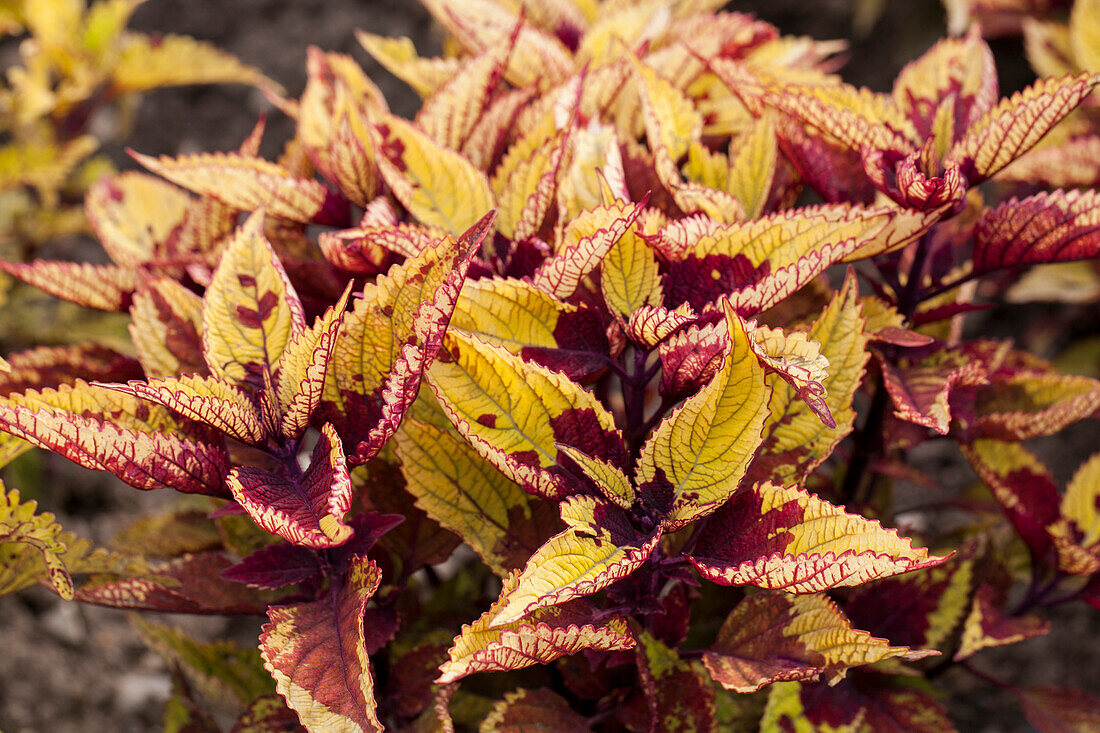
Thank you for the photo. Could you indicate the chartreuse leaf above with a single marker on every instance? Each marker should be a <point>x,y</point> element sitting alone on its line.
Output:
<point>1084,34</point>
<point>796,440</point>
<point>1014,125</point>
<point>597,549</point>
<point>772,636</point>
<point>399,57</point>
<point>515,413</point>
<point>449,115</point>
<point>799,361</point>
<point>787,538</point>
<point>243,182</point>
<point>610,480</point>
<point>1076,533</point>
<point>700,452</point>
<point>166,328</point>
<point>34,546</point>
<point>464,493</point>
<point>250,310</point>
<point>224,673</point>
<point>391,337</point>
<point>306,510</point>
<point>510,313</point>
<point>538,709</point>
<point>679,697</point>
<point>539,637</point>
<point>437,185</point>
<point>317,654</point>
<point>526,180</point>
<point>1054,226</point>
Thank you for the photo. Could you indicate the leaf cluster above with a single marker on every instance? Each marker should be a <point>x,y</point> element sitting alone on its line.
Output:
<point>563,376</point>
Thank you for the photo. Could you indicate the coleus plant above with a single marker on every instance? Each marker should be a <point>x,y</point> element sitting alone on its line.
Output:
<point>577,318</point>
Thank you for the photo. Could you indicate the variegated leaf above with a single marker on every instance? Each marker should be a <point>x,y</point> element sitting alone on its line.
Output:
<point>527,709</point>
<point>135,215</point>
<point>798,360</point>
<point>697,456</point>
<point>166,328</point>
<point>650,325</point>
<point>1049,227</point>
<point>317,654</point>
<point>103,287</point>
<point>222,405</point>
<point>1014,125</point>
<point>304,366</point>
<point>392,336</point>
<point>629,277</point>
<point>145,460</point>
<point>795,439</point>
<point>542,636</point>
<point>599,548</point>
<point>1076,534</point>
<point>250,310</point>
<point>526,179</point>
<point>243,182</point>
<point>772,636</point>
<point>464,493</point>
<point>151,62</point>
<point>586,242</point>
<point>678,695</point>
<point>1022,486</point>
<point>988,625</point>
<point>515,413</point>
<point>787,538</point>
<point>399,57</point>
<point>306,510</point>
<point>450,113</point>
<point>756,264</point>
<point>921,389</point>
<point>437,185</point>
<point>752,170</point>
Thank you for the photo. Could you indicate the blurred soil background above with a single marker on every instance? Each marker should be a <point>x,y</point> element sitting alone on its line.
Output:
<point>68,668</point>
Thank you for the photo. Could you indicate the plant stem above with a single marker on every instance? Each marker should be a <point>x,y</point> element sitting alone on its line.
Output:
<point>867,443</point>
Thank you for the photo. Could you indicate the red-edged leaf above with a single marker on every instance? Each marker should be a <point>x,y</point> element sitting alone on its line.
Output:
<point>189,584</point>
<point>144,460</point>
<point>1012,127</point>
<point>317,654</point>
<point>921,390</point>
<point>103,287</point>
<point>536,638</point>
<point>772,636</point>
<point>1054,226</point>
<point>166,328</point>
<point>787,538</point>
<point>677,692</point>
<point>243,182</point>
<point>50,366</point>
<point>307,510</point>
<point>367,249</point>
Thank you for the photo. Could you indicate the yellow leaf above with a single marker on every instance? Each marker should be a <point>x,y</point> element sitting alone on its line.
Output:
<point>1011,128</point>
<point>610,480</point>
<point>449,115</point>
<point>1084,34</point>
<point>145,63</point>
<point>438,186</point>
<point>166,328</point>
<point>572,564</point>
<point>399,57</point>
<point>526,178</point>
<point>702,450</point>
<point>515,413</point>
<point>583,247</point>
<point>464,493</point>
<point>134,215</point>
<point>490,309</point>
<point>250,310</point>
<point>543,636</point>
<point>243,182</point>
<point>793,431</point>
<point>752,170</point>
<point>1081,502</point>
<point>630,278</point>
